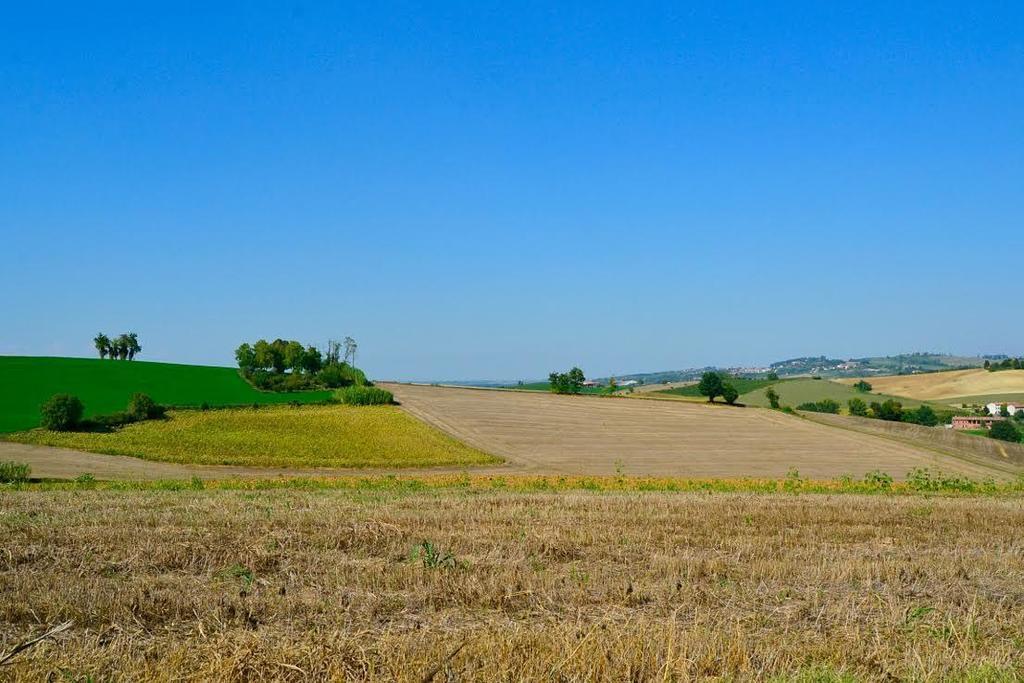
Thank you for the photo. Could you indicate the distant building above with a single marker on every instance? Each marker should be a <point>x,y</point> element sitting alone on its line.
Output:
<point>629,383</point>
<point>964,422</point>
<point>1011,408</point>
<point>590,383</point>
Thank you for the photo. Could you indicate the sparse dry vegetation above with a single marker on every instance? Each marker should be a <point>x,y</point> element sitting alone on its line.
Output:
<point>318,584</point>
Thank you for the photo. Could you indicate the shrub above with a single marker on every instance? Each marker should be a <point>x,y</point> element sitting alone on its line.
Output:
<point>729,393</point>
<point>772,396</point>
<point>889,410</point>
<point>857,407</point>
<point>338,375</point>
<point>825,405</point>
<point>142,407</point>
<point>923,415</point>
<point>365,396</point>
<point>14,472</point>
<point>1004,430</point>
<point>878,479</point>
<point>62,413</point>
<point>862,386</point>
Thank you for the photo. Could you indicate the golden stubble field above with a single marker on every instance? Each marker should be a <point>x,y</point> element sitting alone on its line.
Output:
<point>322,585</point>
<point>934,386</point>
<point>545,433</point>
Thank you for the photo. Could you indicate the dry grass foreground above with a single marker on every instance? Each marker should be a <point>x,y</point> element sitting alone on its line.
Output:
<point>304,436</point>
<point>947,385</point>
<point>551,434</point>
<point>299,585</point>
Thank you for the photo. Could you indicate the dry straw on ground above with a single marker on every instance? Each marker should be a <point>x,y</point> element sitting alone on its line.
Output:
<point>300,585</point>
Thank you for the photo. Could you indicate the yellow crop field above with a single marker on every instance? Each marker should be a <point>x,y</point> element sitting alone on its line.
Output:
<point>306,436</point>
<point>948,385</point>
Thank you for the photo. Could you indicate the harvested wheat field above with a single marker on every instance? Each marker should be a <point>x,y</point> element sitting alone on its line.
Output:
<point>934,386</point>
<point>329,585</point>
<point>590,435</point>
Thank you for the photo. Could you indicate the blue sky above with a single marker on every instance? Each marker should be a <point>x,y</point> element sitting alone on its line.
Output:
<point>497,190</point>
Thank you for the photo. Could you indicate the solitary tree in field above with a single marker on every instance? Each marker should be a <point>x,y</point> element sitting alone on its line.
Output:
<point>773,398</point>
<point>729,393</point>
<point>102,343</point>
<point>861,385</point>
<point>710,385</point>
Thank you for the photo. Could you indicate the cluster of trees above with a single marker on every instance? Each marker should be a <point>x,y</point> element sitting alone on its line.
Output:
<point>567,382</point>
<point>63,413</point>
<point>713,384</point>
<point>279,356</point>
<point>288,365</point>
<point>893,411</point>
<point>863,386</point>
<point>122,347</point>
<point>1006,364</point>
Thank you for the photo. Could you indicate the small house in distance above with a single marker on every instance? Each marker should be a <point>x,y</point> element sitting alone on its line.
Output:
<point>965,422</point>
<point>1012,408</point>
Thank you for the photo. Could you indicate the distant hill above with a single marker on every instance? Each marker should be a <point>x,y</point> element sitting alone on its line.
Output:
<point>105,386</point>
<point>823,366</point>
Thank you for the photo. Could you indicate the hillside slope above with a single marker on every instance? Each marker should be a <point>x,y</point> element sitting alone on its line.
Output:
<point>105,386</point>
<point>949,385</point>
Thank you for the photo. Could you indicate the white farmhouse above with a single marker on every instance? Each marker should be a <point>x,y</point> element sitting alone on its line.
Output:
<point>1011,408</point>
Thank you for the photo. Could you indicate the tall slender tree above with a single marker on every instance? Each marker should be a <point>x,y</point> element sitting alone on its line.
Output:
<point>350,351</point>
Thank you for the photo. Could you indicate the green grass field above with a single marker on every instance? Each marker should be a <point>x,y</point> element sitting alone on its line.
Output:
<point>105,386</point>
<point>277,436</point>
<point>743,386</point>
<point>796,391</point>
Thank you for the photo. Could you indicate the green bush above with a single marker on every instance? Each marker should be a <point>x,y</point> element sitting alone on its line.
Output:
<point>339,375</point>
<point>889,410</point>
<point>142,407</point>
<point>62,413</point>
<point>14,472</point>
<point>365,396</point>
<point>857,407</point>
<point>729,393</point>
<point>825,405</point>
<point>1004,430</point>
<point>923,415</point>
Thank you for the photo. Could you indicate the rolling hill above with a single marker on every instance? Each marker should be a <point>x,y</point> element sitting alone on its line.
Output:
<point>105,386</point>
<point>955,386</point>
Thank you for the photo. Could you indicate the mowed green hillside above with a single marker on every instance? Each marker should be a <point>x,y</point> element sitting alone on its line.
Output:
<point>793,392</point>
<point>105,386</point>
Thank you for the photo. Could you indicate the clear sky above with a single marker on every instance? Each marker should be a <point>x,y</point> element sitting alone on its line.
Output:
<point>478,190</point>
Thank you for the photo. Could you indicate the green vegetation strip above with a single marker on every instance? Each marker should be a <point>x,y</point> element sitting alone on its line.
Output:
<point>919,482</point>
<point>105,386</point>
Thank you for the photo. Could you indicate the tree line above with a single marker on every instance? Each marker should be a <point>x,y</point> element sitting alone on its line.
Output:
<point>122,347</point>
<point>1005,364</point>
